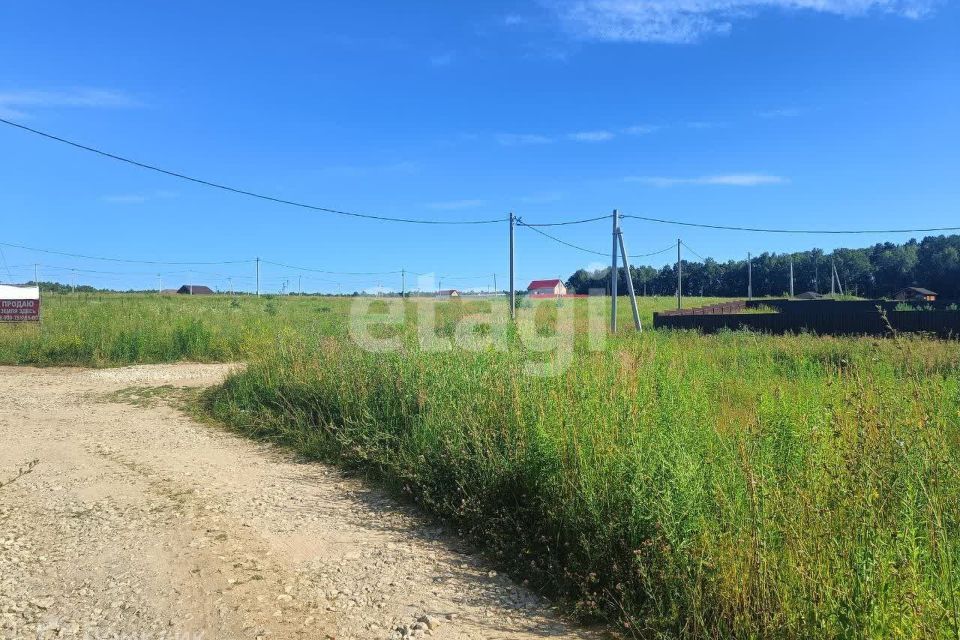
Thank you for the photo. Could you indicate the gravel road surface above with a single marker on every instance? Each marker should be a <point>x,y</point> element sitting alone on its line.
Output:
<point>138,522</point>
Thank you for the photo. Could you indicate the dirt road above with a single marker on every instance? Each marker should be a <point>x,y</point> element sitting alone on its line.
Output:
<point>139,522</point>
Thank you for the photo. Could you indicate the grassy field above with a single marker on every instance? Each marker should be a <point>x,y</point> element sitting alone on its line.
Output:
<point>676,485</point>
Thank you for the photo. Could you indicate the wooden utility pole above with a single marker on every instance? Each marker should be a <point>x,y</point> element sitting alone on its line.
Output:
<point>613,273</point>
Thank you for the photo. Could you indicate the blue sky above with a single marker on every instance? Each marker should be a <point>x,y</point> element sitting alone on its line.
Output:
<point>797,113</point>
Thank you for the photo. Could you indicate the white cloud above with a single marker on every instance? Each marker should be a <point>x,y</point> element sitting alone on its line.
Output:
<point>687,21</point>
<point>784,112</point>
<point>704,124</point>
<point>443,59</point>
<point>591,136</point>
<point>138,198</point>
<point>359,171</point>
<point>513,19</point>
<point>513,139</point>
<point>21,103</point>
<point>728,180</point>
<point>641,129</point>
<point>542,198</point>
<point>455,205</point>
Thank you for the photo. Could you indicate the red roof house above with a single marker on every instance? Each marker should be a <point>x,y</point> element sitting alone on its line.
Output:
<point>553,287</point>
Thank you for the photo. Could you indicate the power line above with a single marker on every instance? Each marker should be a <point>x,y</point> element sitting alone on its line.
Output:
<point>558,240</point>
<point>124,260</point>
<point>337,273</point>
<point>584,249</point>
<point>5,265</point>
<point>244,192</point>
<point>563,224</point>
<point>691,250</point>
<point>805,231</point>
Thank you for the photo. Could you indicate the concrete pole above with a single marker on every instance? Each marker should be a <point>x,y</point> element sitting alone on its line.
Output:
<point>258,276</point>
<point>791,276</point>
<point>832,280</point>
<point>513,291</point>
<point>749,277</point>
<point>613,272</point>
<point>633,296</point>
<point>679,277</point>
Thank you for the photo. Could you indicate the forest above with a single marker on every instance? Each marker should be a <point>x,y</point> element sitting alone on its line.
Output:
<point>872,272</point>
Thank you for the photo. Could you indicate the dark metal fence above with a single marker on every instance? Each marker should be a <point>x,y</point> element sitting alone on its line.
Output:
<point>825,317</point>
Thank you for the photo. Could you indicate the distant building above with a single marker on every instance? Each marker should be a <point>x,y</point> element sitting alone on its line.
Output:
<point>195,290</point>
<point>448,293</point>
<point>915,294</point>
<point>809,295</point>
<point>554,287</point>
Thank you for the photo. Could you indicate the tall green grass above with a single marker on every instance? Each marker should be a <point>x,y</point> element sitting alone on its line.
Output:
<point>674,484</point>
<point>115,329</point>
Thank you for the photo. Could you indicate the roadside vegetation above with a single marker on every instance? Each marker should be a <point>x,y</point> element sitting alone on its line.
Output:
<point>673,484</point>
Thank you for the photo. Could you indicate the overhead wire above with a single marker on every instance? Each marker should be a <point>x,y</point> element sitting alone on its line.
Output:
<point>237,190</point>
<point>691,250</point>
<point>586,250</point>
<point>771,230</point>
<point>123,260</point>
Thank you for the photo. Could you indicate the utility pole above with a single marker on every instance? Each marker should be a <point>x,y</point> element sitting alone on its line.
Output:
<point>230,284</point>
<point>513,291</point>
<point>749,277</point>
<point>159,284</point>
<point>258,276</point>
<point>36,276</point>
<point>791,275</point>
<point>613,273</point>
<point>626,268</point>
<point>190,274</point>
<point>679,277</point>
<point>833,270</point>
<point>403,283</point>
<point>299,285</point>
<point>494,284</point>
<point>73,280</point>
<point>836,274</point>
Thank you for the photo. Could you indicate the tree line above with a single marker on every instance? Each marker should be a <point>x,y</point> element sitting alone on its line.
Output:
<point>871,272</point>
